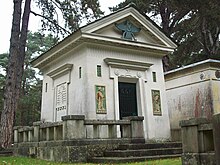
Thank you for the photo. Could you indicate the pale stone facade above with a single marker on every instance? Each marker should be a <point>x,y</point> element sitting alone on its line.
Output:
<point>193,92</point>
<point>83,74</point>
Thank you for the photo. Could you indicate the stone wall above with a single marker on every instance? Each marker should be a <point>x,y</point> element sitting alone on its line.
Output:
<point>216,133</point>
<point>197,142</point>
<point>192,91</point>
<point>68,151</point>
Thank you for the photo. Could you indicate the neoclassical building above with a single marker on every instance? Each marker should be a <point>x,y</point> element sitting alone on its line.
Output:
<point>107,70</point>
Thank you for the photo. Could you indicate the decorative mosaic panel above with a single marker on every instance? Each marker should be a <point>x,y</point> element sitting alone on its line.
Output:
<point>100,99</point>
<point>61,97</point>
<point>156,102</point>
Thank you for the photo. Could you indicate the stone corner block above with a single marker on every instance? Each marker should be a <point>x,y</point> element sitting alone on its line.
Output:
<point>193,122</point>
<point>37,123</point>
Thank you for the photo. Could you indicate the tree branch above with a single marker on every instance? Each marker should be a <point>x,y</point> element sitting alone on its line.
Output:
<point>51,21</point>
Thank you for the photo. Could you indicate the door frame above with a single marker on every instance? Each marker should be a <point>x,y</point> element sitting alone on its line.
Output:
<point>140,88</point>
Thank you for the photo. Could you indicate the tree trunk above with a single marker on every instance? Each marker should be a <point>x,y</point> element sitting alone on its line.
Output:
<point>165,16</point>
<point>14,70</point>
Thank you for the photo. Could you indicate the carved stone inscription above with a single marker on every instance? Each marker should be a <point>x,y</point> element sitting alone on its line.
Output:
<point>61,97</point>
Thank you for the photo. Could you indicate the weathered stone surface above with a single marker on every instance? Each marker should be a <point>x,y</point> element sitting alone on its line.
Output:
<point>190,159</point>
<point>198,143</point>
<point>194,121</point>
<point>76,150</point>
<point>198,159</point>
<point>216,133</point>
<point>137,129</point>
<point>190,139</point>
<point>60,153</point>
<point>73,127</point>
<point>176,134</point>
<point>73,117</point>
<point>207,158</point>
<point>78,154</point>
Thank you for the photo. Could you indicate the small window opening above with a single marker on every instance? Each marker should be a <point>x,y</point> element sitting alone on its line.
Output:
<point>46,87</point>
<point>154,76</point>
<point>99,71</point>
<point>80,72</point>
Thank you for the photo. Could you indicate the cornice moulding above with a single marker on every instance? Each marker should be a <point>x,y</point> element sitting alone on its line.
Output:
<point>127,64</point>
<point>60,71</point>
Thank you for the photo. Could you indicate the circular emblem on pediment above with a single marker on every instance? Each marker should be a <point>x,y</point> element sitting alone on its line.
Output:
<point>217,74</point>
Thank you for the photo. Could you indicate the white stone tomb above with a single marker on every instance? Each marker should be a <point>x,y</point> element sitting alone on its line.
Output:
<point>104,73</point>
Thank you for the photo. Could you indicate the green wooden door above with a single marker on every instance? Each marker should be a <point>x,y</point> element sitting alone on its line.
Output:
<point>127,99</point>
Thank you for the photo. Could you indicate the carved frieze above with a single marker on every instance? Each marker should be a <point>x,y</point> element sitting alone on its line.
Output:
<point>127,73</point>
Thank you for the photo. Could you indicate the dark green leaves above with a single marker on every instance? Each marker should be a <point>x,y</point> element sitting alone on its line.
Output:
<point>65,16</point>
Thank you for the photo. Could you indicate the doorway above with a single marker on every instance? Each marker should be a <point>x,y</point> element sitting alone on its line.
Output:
<point>127,99</point>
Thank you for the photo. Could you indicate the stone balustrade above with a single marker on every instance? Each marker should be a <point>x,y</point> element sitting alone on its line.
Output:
<point>75,127</point>
<point>70,140</point>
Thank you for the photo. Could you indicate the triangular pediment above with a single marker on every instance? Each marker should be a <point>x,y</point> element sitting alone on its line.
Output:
<point>145,35</point>
<point>149,33</point>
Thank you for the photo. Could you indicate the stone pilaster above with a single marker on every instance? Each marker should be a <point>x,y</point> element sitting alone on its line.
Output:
<point>36,125</point>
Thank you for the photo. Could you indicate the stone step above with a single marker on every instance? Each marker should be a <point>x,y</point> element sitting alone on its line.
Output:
<point>6,153</point>
<point>140,152</point>
<point>150,145</point>
<point>143,152</point>
<point>130,159</point>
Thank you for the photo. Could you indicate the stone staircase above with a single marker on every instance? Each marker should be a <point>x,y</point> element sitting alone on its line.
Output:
<point>6,152</point>
<point>137,152</point>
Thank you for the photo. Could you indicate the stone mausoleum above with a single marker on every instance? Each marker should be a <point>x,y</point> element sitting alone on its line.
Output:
<point>192,92</point>
<point>107,70</point>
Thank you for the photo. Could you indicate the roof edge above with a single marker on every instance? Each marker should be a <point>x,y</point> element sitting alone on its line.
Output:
<point>192,65</point>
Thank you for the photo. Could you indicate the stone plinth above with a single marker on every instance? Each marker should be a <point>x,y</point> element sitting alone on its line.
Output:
<point>137,129</point>
<point>197,142</point>
<point>216,130</point>
<point>73,127</point>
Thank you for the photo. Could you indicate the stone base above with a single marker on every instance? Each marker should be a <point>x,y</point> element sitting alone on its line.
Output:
<point>216,126</point>
<point>198,159</point>
<point>68,150</point>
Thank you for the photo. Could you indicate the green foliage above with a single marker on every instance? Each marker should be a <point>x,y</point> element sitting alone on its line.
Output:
<point>3,65</point>
<point>30,100</point>
<point>30,161</point>
<point>198,35</point>
<point>38,43</point>
<point>3,61</point>
<point>29,105</point>
<point>73,12</point>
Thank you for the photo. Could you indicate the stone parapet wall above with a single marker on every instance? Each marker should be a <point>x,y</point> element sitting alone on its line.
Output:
<point>197,142</point>
<point>68,151</point>
<point>67,141</point>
